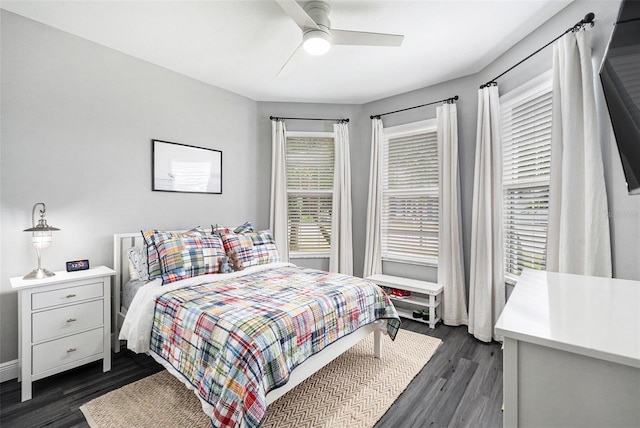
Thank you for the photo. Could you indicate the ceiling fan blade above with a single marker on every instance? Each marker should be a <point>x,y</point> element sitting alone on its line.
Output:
<point>297,13</point>
<point>362,38</point>
<point>290,63</point>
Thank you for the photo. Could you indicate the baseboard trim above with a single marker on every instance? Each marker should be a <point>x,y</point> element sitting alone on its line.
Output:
<point>8,370</point>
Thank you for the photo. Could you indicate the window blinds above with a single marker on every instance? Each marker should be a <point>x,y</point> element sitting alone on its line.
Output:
<point>410,197</point>
<point>310,165</point>
<point>526,139</point>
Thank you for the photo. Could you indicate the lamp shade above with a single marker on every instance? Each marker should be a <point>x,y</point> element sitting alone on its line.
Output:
<point>41,234</point>
<point>41,227</point>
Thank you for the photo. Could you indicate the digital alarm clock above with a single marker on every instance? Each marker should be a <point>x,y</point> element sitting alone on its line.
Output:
<point>77,265</point>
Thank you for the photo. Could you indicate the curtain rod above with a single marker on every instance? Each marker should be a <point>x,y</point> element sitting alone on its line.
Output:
<point>588,19</point>
<point>308,118</point>
<point>447,100</point>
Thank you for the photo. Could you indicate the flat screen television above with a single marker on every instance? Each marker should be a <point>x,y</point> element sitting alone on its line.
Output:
<point>620,77</point>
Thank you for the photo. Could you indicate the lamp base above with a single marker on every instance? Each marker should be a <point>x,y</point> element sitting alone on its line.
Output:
<point>38,274</point>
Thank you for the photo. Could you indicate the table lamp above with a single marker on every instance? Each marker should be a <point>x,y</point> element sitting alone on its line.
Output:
<point>40,239</point>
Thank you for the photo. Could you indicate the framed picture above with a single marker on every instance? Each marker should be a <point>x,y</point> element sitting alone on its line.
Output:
<point>182,168</point>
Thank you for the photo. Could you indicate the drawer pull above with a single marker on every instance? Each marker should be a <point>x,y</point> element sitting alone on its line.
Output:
<point>71,350</point>
<point>71,320</point>
<point>70,296</point>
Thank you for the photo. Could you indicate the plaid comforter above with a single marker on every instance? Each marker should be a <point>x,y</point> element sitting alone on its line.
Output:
<point>237,339</point>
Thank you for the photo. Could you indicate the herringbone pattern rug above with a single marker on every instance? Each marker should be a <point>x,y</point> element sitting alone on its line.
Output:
<point>354,390</point>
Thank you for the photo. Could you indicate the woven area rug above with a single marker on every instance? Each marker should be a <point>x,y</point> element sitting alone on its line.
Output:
<point>354,390</point>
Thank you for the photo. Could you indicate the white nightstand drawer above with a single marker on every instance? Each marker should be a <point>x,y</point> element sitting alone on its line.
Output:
<point>72,294</point>
<point>66,320</point>
<point>55,353</point>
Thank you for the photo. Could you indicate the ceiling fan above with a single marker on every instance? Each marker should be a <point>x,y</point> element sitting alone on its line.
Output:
<point>318,36</point>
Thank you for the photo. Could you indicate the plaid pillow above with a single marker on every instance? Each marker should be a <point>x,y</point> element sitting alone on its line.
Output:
<point>151,236</point>
<point>189,256</point>
<point>242,244</point>
<point>245,227</point>
<point>255,248</point>
<point>264,248</point>
<point>218,229</point>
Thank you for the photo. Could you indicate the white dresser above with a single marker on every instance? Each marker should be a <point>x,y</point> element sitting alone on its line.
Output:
<point>64,322</point>
<point>571,351</point>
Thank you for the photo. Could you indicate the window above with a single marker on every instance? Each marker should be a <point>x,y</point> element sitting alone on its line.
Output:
<point>526,140</point>
<point>410,193</point>
<point>310,163</point>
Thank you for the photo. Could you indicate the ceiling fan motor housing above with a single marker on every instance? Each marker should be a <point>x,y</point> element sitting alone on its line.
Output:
<point>319,12</point>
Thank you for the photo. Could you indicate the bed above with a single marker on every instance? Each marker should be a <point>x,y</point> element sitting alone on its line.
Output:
<point>242,339</point>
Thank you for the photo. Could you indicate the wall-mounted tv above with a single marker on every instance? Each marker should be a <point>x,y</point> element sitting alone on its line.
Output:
<point>620,77</point>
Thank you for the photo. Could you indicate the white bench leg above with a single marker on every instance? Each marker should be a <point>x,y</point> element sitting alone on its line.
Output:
<point>432,311</point>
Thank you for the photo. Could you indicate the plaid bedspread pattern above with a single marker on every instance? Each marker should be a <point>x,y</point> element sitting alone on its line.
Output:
<point>235,340</point>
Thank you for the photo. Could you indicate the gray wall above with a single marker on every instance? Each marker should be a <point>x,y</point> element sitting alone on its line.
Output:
<point>77,120</point>
<point>624,210</point>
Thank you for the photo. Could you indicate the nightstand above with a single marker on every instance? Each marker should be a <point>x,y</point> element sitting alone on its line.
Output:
<point>64,321</point>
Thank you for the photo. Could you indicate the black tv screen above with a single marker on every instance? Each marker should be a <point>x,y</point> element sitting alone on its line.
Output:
<point>620,77</point>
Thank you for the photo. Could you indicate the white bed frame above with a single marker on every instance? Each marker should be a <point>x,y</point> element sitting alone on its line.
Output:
<point>123,241</point>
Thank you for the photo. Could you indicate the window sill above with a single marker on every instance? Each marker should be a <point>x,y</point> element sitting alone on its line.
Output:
<point>427,263</point>
<point>308,255</point>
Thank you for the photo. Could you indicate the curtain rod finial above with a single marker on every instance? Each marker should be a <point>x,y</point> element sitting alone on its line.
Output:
<point>589,17</point>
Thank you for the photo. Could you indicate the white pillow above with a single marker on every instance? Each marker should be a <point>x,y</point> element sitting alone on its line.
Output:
<point>138,265</point>
<point>133,275</point>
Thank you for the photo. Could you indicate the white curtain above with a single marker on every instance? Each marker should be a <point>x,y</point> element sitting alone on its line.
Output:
<point>578,236</point>
<point>279,219</point>
<point>373,246</point>
<point>341,259</point>
<point>487,290</point>
<point>450,266</point>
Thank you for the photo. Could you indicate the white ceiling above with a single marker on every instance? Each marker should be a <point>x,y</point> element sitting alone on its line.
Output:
<point>240,45</point>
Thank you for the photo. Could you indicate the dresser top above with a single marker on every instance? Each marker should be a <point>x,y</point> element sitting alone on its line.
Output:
<point>18,283</point>
<point>592,316</point>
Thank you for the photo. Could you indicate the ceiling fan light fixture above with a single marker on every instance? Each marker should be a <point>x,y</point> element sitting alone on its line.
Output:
<point>316,42</point>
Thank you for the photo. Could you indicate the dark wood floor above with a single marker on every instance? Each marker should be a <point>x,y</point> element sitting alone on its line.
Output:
<point>461,386</point>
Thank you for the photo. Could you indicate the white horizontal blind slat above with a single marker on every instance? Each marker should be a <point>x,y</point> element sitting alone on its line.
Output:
<point>526,138</point>
<point>410,197</point>
<point>310,165</point>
